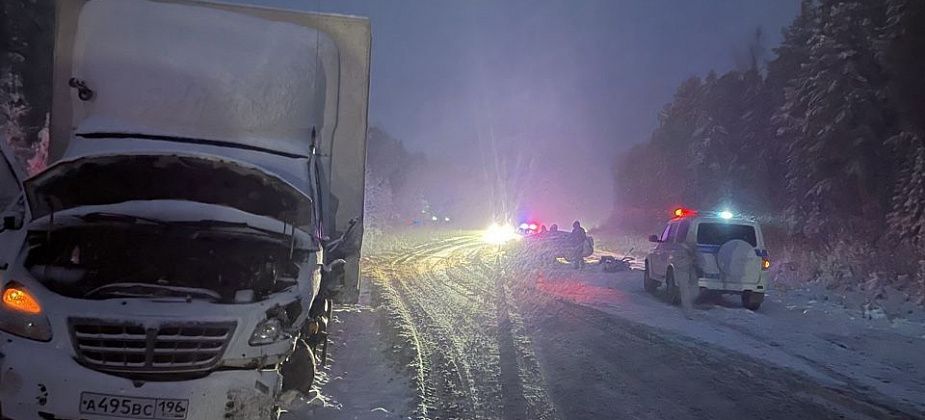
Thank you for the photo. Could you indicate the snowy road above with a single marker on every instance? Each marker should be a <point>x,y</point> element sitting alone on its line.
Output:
<point>492,336</point>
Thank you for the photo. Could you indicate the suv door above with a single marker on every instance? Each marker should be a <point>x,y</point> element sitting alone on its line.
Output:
<point>659,261</point>
<point>677,255</point>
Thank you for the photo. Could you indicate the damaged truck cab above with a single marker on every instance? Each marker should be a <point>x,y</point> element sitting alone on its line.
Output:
<point>202,210</point>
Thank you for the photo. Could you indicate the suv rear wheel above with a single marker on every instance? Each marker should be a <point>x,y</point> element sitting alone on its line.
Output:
<point>752,300</point>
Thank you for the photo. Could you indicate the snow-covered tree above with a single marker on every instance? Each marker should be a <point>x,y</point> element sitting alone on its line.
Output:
<point>907,216</point>
<point>25,76</point>
<point>832,136</point>
<point>13,107</point>
<point>903,41</point>
<point>838,124</point>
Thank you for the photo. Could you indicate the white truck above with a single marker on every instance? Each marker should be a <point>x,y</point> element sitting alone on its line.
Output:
<point>202,210</point>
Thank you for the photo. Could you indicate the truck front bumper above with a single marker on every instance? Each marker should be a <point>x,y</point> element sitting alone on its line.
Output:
<point>40,380</point>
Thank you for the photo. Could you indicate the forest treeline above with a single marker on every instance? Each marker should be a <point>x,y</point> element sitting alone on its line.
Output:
<point>25,71</point>
<point>825,144</point>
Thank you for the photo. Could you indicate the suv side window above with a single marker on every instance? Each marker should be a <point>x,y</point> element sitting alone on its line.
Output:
<point>672,232</point>
<point>664,237</point>
<point>683,228</point>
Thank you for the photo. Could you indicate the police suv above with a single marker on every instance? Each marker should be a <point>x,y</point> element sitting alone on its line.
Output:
<point>727,254</point>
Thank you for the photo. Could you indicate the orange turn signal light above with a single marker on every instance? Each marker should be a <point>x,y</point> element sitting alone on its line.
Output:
<point>18,299</point>
<point>765,264</point>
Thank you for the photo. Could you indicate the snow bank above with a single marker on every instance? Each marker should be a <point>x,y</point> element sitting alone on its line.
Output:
<point>820,338</point>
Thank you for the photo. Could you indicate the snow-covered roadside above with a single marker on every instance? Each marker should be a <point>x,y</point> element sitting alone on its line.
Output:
<point>360,380</point>
<point>821,339</point>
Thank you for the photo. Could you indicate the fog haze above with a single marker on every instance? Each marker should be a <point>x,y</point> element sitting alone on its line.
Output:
<point>553,89</point>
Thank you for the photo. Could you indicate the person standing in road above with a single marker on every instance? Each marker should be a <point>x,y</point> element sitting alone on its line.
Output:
<point>577,239</point>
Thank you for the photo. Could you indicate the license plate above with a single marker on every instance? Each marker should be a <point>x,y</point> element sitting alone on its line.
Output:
<point>132,407</point>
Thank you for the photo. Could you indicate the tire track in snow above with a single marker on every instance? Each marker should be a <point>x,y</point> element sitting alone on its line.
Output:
<point>469,338</point>
<point>451,390</point>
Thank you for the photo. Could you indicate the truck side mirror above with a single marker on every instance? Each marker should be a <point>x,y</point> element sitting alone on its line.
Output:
<point>653,238</point>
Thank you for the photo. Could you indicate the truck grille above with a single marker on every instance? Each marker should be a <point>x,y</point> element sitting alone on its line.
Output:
<point>168,347</point>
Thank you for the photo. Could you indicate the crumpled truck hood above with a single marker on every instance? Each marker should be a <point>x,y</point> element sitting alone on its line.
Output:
<point>116,178</point>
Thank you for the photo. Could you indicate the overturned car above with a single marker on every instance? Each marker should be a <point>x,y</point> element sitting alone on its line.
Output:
<point>180,256</point>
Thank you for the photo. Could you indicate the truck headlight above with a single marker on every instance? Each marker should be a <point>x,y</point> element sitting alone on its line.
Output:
<point>268,331</point>
<point>21,314</point>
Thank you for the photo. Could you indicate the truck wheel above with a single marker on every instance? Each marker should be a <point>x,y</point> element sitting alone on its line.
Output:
<point>650,285</point>
<point>752,300</point>
<point>298,369</point>
<point>673,293</point>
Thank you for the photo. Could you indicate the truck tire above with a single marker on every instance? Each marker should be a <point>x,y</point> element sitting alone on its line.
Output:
<point>650,285</point>
<point>298,370</point>
<point>752,300</point>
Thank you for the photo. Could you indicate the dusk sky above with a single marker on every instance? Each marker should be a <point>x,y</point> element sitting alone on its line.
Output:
<point>567,83</point>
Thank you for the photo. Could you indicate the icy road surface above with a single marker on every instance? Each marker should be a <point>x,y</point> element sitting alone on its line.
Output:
<point>497,335</point>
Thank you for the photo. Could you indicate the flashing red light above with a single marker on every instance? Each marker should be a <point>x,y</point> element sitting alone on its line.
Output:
<point>682,212</point>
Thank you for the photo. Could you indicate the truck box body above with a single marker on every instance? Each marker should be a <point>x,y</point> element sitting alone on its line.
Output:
<point>247,83</point>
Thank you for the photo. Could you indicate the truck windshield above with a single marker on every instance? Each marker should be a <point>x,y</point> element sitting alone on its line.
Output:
<point>720,233</point>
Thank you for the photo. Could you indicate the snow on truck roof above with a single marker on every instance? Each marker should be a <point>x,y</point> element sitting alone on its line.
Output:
<point>199,72</point>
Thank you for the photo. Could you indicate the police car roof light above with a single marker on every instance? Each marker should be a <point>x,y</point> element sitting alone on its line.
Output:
<point>683,212</point>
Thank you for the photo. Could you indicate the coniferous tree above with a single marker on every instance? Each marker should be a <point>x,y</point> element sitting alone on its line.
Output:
<point>838,124</point>
<point>903,44</point>
<point>832,135</point>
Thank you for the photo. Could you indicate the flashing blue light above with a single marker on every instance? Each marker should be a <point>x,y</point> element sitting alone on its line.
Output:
<point>725,214</point>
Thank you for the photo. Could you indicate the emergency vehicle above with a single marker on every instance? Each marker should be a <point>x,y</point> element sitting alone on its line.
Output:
<point>725,252</point>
